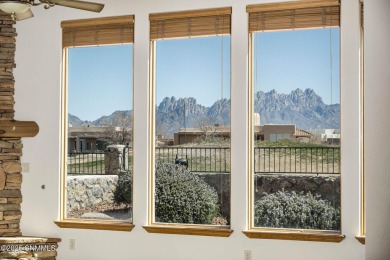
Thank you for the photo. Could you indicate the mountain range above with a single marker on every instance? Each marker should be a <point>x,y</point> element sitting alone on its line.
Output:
<point>305,109</point>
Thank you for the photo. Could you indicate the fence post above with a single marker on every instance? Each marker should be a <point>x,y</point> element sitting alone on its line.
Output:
<point>114,160</point>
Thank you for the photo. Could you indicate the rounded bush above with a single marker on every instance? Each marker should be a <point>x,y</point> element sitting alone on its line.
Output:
<point>124,189</point>
<point>291,210</point>
<point>182,197</point>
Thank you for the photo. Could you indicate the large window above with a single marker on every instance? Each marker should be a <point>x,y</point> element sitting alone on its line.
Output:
<point>190,133</point>
<point>295,121</point>
<point>98,123</point>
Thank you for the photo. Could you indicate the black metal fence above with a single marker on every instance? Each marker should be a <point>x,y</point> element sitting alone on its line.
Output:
<point>86,163</point>
<point>318,160</point>
<point>197,159</point>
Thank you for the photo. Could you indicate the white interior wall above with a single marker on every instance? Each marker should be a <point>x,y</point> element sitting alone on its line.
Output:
<point>377,95</point>
<point>38,80</point>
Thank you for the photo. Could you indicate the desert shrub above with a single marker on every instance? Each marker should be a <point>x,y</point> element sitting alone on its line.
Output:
<point>124,189</point>
<point>182,197</point>
<point>291,210</point>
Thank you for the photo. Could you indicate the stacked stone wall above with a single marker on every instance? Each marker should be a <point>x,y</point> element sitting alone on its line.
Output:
<point>10,148</point>
<point>7,63</point>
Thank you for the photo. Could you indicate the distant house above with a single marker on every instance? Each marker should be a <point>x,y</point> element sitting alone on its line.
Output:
<point>191,135</point>
<point>264,133</point>
<point>329,136</point>
<point>278,132</point>
<point>268,132</point>
<point>82,138</point>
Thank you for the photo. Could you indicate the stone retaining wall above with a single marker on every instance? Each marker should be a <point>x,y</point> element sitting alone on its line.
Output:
<point>328,186</point>
<point>221,183</point>
<point>89,190</point>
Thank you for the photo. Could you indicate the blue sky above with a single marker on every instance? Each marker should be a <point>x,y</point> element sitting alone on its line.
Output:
<point>101,78</point>
<point>192,68</point>
<point>287,60</point>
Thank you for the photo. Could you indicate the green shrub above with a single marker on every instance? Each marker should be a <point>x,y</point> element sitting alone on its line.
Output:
<point>124,189</point>
<point>291,210</point>
<point>182,197</point>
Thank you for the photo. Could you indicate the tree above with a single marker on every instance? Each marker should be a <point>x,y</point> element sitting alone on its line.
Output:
<point>119,130</point>
<point>208,128</point>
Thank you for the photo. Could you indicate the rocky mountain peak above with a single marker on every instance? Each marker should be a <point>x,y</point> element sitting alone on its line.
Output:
<point>304,108</point>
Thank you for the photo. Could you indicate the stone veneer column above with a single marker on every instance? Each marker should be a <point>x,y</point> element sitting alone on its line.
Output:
<point>10,148</point>
<point>12,244</point>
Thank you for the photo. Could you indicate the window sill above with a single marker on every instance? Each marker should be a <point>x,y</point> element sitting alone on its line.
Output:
<point>95,224</point>
<point>189,230</point>
<point>361,239</point>
<point>302,235</point>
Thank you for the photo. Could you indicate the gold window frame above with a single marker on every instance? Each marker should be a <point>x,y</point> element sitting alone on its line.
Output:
<point>197,17</point>
<point>278,233</point>
<point>78,33</point>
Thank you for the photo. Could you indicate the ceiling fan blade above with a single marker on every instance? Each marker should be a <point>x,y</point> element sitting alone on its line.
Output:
<point>88,6</point>
<point>25,15</point>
